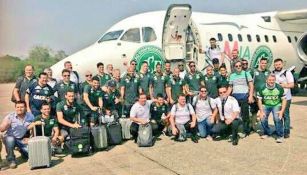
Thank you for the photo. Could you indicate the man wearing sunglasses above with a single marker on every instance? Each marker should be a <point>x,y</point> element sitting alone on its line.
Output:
<point>229,119</point>
<point>66,84</point>
<point>194,80</point>
<point>242,89</point>
<point>182,71</point>
<point>211,81</point>
<point>87,82</point>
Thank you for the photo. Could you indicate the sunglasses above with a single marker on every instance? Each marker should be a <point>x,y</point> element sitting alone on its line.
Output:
<point>244,63</point>
<point>203,91</point>
<point>180,65</point>
<point>223,92</point>
<point>66,75</point>
<point>192,65</point>
<point>133,64</point>
<point>88,75</point>
<point>238,65</point>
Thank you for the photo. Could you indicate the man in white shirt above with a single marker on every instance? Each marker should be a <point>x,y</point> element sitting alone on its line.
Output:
<point>206,111</point>
<point>229,111</point>
<point>183,118</point>
<point>74,76</point>
<point>214,51</point>
<point>139,115</point>
<point>286,80</point>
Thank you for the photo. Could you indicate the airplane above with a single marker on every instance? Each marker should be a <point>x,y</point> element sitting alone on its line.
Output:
<point>177,34</point>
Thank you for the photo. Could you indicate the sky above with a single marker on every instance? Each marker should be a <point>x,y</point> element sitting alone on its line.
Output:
<point>71,25</point>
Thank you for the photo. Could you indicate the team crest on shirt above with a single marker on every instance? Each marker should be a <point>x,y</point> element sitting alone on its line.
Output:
<point>61,85</point>
<point>141,75</point>
<point>74,109</point>
<point>155,108</point>
<point>266,73</point>
<point>46,92</point>
<point>72,86</point>
<point>135,80</point>
<point>214,78</point>
<point>65,107</point>
<point>163,108</point>
<point>257,73</point>
<point>155,78</point>
<point>37,90</point>
<point>51,122</point>
<point>206,78</point>
<point>162,78</point>
<point>191,77</point>
<point>197,76</point>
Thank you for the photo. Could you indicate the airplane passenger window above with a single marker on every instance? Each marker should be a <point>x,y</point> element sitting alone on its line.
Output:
<point>289,39</point>
<point>114,35</point>
<point>258,38</point>
<point>132,35</point>
<point>239,37</point>
<point>148,34</point>
<point>249,37</point>
<point>220,36</point>
<point>274,39</point>
<point>266,38</point>
<point>295,38</point>
<point>230,37</point>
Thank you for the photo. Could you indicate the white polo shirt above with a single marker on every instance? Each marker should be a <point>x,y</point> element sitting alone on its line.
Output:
<point>141,111</point>
<point>231,105</point>
<point>182,114</point>
<point>281,78</point>
<point>202,107</point>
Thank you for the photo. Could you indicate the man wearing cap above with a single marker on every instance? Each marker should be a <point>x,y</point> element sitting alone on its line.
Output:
<point>92,96</point>
<point>103,77</point>
<point>111,98</point>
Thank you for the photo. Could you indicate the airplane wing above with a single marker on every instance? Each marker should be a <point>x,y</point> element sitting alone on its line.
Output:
<point>292,15</point>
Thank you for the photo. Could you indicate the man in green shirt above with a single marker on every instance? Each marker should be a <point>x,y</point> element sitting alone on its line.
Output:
<point>223,79</point>
<point>62,87</point>
<point>111,99</point>
<point>145,78</point>
<point>157,110</point>
<point>51,126</point>
<point>158,82</point>
<point>216,66</point>
<point>103,77</point>
<point>271,99</point>
<point>193,79</point>
<point>68,112</point>
<point>211,82</point>
<point>129,89</point>
<point>175,87</point>
<point>92,96</point>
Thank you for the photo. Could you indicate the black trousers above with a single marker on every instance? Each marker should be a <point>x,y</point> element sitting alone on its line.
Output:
<point>188,128</point>
<point>245,115</point>
<point>222,128</point>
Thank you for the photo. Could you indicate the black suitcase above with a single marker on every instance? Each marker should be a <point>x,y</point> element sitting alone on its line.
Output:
<point>114,130</point>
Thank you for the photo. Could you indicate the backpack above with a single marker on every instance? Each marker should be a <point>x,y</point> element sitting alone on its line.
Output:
<point>145,138</point>
<point>196,100</point>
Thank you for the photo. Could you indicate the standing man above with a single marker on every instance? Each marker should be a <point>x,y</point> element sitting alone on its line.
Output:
<point>50,81</point>
<point>229,111</point>
<point>271,98</point>
<point>214,51</point>
<point>67,112</point>
<point>223,79</point>
<point>286,80</point>
<point>64,85</point>
<point>74,76</point>
<point>145,78</point>
<point>129,89</point>
<point>206,111</point>
<point>242,89</point>
<point>194,80</point>
<point>167,71</point>
<point>16,127</point>
<point>182,71</point>
<point>116,77</point>
<point>103,77</point>
<point>38,93</point>
<point>235,58</point>
<point>175,87</point>
<point>211,81</point>
<point>158,83</point>
<point>110,69</point>
<point>87,82</point>
<point>23,83</point>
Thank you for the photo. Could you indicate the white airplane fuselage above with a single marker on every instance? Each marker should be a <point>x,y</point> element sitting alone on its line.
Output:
<point>142,36</point>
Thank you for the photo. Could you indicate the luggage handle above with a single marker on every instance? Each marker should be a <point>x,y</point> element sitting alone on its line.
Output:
<point>123,116</point>
<point>100,116</point>
<point>42,126</point>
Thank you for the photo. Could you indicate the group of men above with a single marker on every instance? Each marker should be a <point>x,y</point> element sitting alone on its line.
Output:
<point>178,102</point>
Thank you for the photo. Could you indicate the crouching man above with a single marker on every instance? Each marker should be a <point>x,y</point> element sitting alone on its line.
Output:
<point>159,115</point>
<point>51,128</point>
<point>183,119</point>
<point>16,126</point>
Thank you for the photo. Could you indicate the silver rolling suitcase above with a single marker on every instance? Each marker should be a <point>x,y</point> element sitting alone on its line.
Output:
<point>126,123</point>
<point>99,135</point>
<point>39,150</point>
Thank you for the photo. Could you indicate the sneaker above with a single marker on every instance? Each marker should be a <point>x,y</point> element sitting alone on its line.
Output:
<point>194,139</point>
<point>209,138</point>
<point>279,140</point>
<point>13,165</point>
<point>286,136</point>
<point>264,136</point>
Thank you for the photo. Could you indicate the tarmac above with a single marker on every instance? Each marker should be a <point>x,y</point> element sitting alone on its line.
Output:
<point>251,157</point>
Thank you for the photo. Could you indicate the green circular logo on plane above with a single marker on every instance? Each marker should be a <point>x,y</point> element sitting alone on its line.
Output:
<point>262,51</point>
<point>151,54</point>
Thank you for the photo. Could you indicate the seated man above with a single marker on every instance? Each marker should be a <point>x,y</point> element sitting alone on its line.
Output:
<point>15,124</point>
<point>67,113</point>
<point>51,128</point>
<point>229,111</point>
<point>157,110</point>
<point>206,111</point>
<point>139,114</point>
<point>92,97</point>
<point>183,118</point>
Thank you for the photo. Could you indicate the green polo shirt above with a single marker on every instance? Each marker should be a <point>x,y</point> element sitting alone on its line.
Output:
<point>193,80</point>
<point>93,95</point>
<point>50,123</point>
<point>222,81</point>
<point>145,81</point>
<point>271,96</point>
<point>63,87</point>
<point>156,111</point>
<point>103,78</point>
<point>176,85</point>
<point>259,78</point>
<point>131,85</point>
<point>70,113</point>
<point>109,99</point>
<point>158,83</point>
<point>211,85</point>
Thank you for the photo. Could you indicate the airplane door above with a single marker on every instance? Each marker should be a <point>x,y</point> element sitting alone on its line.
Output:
<point>175,31</point>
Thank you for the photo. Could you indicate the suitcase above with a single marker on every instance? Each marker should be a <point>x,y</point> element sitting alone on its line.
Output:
<point>79,142</point>
<point>145,138</point>
<point>114,131</point>
<point>99,135</point>
<point>126,124</point>
<point>39,150</point>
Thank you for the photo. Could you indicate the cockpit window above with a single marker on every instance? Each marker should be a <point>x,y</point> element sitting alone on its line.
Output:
<point>148,34</point>
<point>132,35</point>
<point>114,35</point>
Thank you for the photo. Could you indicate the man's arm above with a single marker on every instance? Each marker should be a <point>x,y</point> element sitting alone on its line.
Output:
<point>66,123</point>
<point>27,100</point>
<point>5,124</point>
<point>88,103</point>
<point>283,107</point>
<point>251,92</point>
